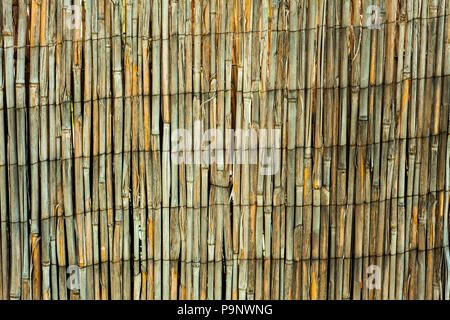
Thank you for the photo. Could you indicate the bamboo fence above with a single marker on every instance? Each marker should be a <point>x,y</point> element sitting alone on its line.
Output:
<point>93,204</point>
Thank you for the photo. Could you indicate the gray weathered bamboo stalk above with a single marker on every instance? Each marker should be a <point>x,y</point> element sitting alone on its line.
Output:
<point>11,160</point>
<point>3,192</point>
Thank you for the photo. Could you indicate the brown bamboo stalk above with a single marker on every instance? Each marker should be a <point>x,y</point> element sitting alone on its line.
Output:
<point>235,195</point>
<point>379,172</point>
<point>440,123</point>
<point>21,145</point>
<point>190,153</point>
<point>403,70</point>
<point>96,78</point>
<point>343,10</point>
<point>91,291</point>
<point>423,139</point>
<point>66,149</point>
<point>228,156</point>
<point>116,285</point>
<point>181,60</point>
<point>156,156</point>
<point>127,133</point>
<point>147,214</point>
<point>291,144</point>
<point>3,193</point>
<point>407,92</point>
<point>308,162</point>
<point>272,24</point>
<point>165,155</point>
<point>432,145</point>
<point>446,102</point>
<point>43,153</point>
<point>100,219</point>
<point>136,178</point>
<point>197,117</point>
<point>209,90</point>
<point>318,155</point>
<point>4,248</point>
<point>356,154</point>
<point>329,130</point>
<point>60,223</point>
<point>413,177</point>
<point>144,122</point>
<point>34,154</point>
<point>174,253</point>
<point>78,154</point>
<point>109,150</point>
<point>333,85</point>
<point>244,149</point>
<point>11,160</point>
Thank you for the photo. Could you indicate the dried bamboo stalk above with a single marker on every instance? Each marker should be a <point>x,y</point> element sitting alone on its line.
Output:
<point>118,142</point>
<point>21,115</point>
<point>4,268</point>
<point>12,206</point>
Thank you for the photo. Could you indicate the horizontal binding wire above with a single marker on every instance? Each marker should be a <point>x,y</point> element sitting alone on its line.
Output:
<point>238,33</point>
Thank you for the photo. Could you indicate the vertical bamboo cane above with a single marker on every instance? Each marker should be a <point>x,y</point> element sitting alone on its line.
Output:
<point>189,149</point>
<point>87,118</point>
<point>291,144</point>
<point>126,164</point>
<point>97,77</point>
<point>135,186</point>
<point>43,153</point>
<point>165,165</point>
<point>407,90</point>
<point>197,117</point>
<point>100,219</point>
<point>60,232</point>
<point>66,149</point>
<point>236,175</point>
<point>379,172</point>
<point>441,122</point>
<point>269,90</point>
<point>146,225</point>
<point>403,68</point>
<point>308,161</point>
<point>431,127</point>
<point>333,35</point>
<point>414,164</point>
<point>422,163</point>
<point>144,122</point>
<point>182,166</point>
<point>228,156</point>
<point>11,143</point>
<point>446,104</point>
<point>318,154</point>
<point>343,215</point>
<point>3,193</point>
<point>209,89</point>
<point>355,193</point>
<point>34,154</point>
<point>78,153</point>
<point>174,180</point>
<point>329,130</point>
<point>156,159</point>
<point>21,146</point>
<point>243,148</point>
<point>116,285</point>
